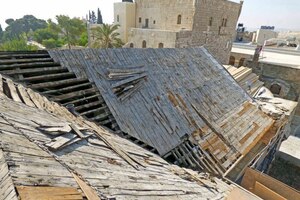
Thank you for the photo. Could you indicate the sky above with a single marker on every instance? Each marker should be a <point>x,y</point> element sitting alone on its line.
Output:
<point>283,14</point>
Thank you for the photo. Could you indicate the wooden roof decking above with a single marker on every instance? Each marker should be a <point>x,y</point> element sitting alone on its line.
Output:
<point>30,124</point>
<point>161,111</point>
<point>162,96</point>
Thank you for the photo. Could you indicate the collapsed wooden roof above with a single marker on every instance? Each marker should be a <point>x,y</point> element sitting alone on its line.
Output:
<point>46,151</point>
<point>165,96</point>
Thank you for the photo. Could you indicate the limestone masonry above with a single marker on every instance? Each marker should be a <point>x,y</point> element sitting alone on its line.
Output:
<point>179,24</point>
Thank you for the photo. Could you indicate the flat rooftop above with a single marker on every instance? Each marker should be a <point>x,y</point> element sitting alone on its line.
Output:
<point>290,58</point>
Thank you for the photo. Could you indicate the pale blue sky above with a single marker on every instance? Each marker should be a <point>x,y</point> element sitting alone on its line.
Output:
<point>279,13</point>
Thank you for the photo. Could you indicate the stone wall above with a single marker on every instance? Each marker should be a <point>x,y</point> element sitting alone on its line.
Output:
<point>152,38</point>
<point>214,27</point>
<point>163,14</point>
<point>287,77</point>
<point>124,15</point>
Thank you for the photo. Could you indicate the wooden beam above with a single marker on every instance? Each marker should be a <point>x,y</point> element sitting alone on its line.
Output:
<point>88,105</point>
<point>85,98</point>
<point>57,83</point>
<point>94,110</point>
<point>30,65</point>
<point>33,60</point>
<point>25,55</point>
<point>49,77</point>
<point>34,70</point>
<point>76,94</point>
<point>66,89</point>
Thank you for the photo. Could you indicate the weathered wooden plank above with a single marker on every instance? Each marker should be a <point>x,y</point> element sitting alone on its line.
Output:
<point>24,95</point>
<point>77,131</point>
<point>89,192</point>
<point>35,70</point>
<point>13,91</point>
<point>128,80</point>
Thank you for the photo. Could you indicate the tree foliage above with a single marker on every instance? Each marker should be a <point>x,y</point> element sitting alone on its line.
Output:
<point>16,28</point>
<point>71,29</point>
<point>17,45</point>
<point>107,36</point>
<point>99,17</point>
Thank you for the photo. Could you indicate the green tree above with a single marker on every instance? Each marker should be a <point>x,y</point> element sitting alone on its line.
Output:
<point>25,25</point>
<point>99,17</point>
<point>1,33</point>
<point>71,29</point>
<point>83,41</point>
<point>44,34</point>
<point>17,45</point>
<point>106,36</point>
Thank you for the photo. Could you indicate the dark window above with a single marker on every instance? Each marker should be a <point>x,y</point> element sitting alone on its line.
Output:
<point>241,62</point>
<point>225,23</point>
<point>179,19</point>
<point>232,60</point>
<point>146,23</point>
<point>154,22</point>
<point>275,89</point>
<point>131,45</point>
<point>140,20</point>
<point>210,21</point>
<point>118,18</point>
<point>144,45</point>
<point>161,45</point>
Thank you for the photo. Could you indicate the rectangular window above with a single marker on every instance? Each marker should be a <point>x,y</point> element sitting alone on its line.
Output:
<point>118,18</point>
<point>146,23</point>
<point>140,20</point>
<point>210,21</point>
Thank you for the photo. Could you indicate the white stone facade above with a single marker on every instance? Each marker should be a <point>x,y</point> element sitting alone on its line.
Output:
<point>179,24</point>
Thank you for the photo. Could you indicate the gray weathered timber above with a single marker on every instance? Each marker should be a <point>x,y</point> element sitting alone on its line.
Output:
<point>98,162</point>
<point>160,112</point>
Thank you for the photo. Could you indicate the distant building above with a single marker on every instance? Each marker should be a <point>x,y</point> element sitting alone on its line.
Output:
<point>179,24</point>
<point>264,33</point>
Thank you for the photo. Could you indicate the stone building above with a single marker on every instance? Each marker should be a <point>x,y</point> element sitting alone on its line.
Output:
<point>179,24</point>
<point>263,34</point>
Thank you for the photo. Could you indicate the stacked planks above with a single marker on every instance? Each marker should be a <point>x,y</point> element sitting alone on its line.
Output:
<point>248,80</point>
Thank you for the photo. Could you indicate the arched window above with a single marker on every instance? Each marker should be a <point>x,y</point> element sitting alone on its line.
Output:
<point>241,62</point>
<point>144,45</point>
<point>179,19</point>
<point>232,60</point>
<point>275,89</point>
<point>210,21</point>
<point>161,45</point>
<point>131,45</point>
